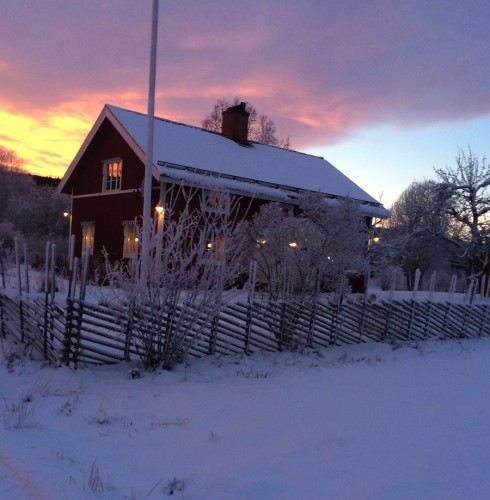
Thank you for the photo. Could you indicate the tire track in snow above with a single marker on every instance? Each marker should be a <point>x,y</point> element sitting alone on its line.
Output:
<point>16,483</point>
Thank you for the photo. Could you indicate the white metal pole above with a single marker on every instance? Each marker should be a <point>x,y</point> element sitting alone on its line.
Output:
<point>147,218</point>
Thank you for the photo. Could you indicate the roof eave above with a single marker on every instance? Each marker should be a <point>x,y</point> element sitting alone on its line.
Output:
<point>195,177</point>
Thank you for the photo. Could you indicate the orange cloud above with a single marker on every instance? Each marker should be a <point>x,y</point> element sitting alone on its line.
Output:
<point>48,139</point>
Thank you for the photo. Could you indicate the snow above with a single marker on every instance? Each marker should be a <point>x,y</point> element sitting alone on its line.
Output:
<point>367,421</point>
<point>215,153</point>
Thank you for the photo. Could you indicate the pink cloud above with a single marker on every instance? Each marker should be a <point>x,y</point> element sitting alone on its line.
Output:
<point>319,69</point>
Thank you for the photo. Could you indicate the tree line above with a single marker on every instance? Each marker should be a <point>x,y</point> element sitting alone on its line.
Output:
<point>30,211</point>
<point>440,224</point>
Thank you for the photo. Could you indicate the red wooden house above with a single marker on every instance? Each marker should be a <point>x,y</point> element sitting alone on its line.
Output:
<point>106,176</point>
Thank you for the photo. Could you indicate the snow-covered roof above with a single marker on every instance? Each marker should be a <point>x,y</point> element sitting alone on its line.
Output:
<point>194,154</point>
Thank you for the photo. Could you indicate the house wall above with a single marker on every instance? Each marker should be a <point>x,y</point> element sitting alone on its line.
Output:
<point>109,231</point>
<point>243,207</point>
<point>107,144</point>
<point>108,209</point>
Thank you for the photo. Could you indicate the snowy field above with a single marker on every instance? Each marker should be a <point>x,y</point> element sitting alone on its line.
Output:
<point>357,422</point>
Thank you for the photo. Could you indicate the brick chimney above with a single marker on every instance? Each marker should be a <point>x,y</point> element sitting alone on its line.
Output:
<point>235,123</point>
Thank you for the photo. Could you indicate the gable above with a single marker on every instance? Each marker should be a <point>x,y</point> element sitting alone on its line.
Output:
<point>106,143</point>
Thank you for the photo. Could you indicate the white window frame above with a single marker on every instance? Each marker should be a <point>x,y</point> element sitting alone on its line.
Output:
<point>88,237</point>
<point>111,182</point>
<point>215,201</point>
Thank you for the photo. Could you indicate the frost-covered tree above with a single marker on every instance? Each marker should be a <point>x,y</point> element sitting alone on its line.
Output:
<point>13,182</point>
<point>260,127</point>
<point>195,256</point>
<point>28,211</point>
<point>465,189</point>
<point>300,255</point>
<point>414,234</point>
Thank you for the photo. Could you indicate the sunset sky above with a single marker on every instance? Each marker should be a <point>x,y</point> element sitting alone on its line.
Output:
<point>384,89</point>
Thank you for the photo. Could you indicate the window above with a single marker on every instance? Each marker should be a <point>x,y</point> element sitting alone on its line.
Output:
<point>285,208</point>
<point>112,170</point>
<point>88,232</point>
<point>216,202</point>
<point>214,241</point>
<point>131,239</point>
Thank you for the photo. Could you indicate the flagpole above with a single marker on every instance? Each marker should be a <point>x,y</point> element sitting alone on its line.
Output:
<point>147,191</point>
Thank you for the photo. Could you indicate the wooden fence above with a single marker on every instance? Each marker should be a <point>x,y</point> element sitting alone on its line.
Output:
<point>82,332</point>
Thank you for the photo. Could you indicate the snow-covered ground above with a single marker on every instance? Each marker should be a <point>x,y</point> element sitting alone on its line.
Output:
<point>367,421</point>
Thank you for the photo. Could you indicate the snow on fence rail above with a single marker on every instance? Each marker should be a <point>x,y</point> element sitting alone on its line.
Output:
<point>84,333</point>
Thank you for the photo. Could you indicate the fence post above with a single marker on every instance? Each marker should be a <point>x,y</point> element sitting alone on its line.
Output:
<point>282,312</point>
<point>83,287</point>
<point>17,266</point>
<point>46,299</point>
<point>363,319</point>
<point>416,284</point>
<point>311,323</point>
<point>45,333</point>
<point>444,321</point>
<point>392,285</point>
<point>412,316</point>
<point>427,319</point>
<point>26,270</point>
<point>248,327</point>
<point>452,287</point>
<point>213,333</point>
<point>73,332</point>
<point>129,330</point>
<point>68,331</point>
<point>46,269</point>
<point>21,320</point>
<point>72,284</point>
<point>432,285</point>
<point>333,326</point>
<point>250,301</point>
<point>53,270</point>
<point>474,292</point>
<point>2,266</point>
<point>484,322</point>
<point>483,285</point>
<point>3,331</point>
<point>387,322</point>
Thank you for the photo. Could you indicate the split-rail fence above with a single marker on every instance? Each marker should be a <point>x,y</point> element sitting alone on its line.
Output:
<point>80,332</point>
